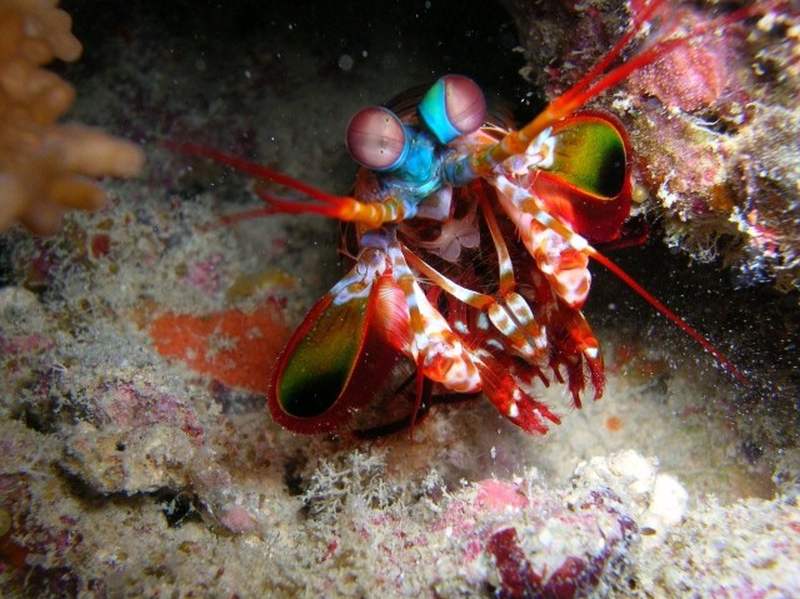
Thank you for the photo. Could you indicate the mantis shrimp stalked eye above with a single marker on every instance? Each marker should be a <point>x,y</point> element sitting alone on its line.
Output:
<point>376,139</point>
<point>452,107</point>
<point>444,186</point>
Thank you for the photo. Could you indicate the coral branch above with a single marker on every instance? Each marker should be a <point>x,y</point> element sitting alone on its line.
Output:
<point>45,167</point>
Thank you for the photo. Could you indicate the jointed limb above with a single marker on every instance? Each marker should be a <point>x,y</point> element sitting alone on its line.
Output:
<point>510,315</point>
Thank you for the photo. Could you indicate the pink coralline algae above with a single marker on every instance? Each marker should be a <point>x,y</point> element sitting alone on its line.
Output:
<point>23,344</point>
<point>237,519</point>
<point>134,439</point>
<point>576,574</point>
<point>204,275</point>
<point>519,579</point>
<point>520,545</point>
<point>128,407</point>
<point>498,495</point>
<point>22,539</point>
<point>692,77</point>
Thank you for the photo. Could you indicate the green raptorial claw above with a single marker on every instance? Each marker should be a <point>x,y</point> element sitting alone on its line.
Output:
<point>323,357</point>
<point>587,182</point>
<point>344,348</point>
<point>590,154</point>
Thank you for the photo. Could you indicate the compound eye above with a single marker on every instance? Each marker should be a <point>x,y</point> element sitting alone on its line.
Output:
<point>376,139</point>
<point>465,103</point>
<point>453,107</point>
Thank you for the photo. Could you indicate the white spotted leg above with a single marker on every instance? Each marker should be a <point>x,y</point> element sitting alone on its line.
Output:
<point>527,340</point>
<point>563,255</point>
<point>494,377</point>
<point>434,346</point>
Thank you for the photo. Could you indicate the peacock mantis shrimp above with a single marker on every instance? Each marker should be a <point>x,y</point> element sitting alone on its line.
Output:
<point>440,188</point>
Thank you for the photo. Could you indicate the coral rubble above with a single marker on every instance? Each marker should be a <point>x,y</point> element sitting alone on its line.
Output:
<point>47,167</point>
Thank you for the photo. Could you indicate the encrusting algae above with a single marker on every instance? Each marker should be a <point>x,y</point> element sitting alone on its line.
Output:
<point>234,347</point>
<point>47,168</point>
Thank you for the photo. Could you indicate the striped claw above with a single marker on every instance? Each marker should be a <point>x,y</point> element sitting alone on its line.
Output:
<point>434,347</point>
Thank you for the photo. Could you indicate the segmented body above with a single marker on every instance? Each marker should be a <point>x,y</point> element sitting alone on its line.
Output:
<point>473,244</point>
<point>485,333</point>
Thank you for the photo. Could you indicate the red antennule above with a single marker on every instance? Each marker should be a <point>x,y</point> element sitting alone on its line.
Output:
<point>329,205</point>
<point>599,79</point>
<point>590,86</point>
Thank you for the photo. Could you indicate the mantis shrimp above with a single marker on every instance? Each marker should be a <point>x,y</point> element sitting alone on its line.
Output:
<point>440,188</point>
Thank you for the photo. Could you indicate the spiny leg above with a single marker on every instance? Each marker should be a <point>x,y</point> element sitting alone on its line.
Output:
<point>513,318</point>
<point>437,350</point>
<point>434,346</point>
<point>511,300</point>
<point>503,375</point>
<point>506,269</point>
<point>559,251</point>
<point>439,346</point>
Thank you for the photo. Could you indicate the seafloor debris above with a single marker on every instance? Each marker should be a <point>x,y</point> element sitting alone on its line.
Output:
<point>715,124</point>
<point>46,167</point>
<point>360,530</point>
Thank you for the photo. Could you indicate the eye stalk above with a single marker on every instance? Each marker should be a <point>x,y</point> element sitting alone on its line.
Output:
<point>452,107</point>
<point>376,139</point>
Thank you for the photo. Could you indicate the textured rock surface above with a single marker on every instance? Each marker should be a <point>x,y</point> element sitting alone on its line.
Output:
<point>714,125</point>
